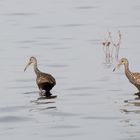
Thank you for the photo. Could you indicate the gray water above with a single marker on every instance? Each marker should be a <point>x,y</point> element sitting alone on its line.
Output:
<point>65,36</point>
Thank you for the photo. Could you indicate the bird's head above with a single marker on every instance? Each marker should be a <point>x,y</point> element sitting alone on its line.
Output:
<point>32,60</point>
<point>122,61</point>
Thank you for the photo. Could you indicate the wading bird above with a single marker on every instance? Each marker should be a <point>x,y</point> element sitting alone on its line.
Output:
<point>134,78</point>
<point>44,81</point>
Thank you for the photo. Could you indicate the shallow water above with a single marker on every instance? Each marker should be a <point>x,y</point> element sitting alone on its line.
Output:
<point>65,36</point>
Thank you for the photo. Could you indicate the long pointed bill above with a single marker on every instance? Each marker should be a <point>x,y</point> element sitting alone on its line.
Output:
<point>117,67</point>
<point>114,69</point>
<point>27,66</point>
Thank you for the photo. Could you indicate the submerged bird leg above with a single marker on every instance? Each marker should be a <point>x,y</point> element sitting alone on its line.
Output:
<point>138,93</point>
<point>48,94</point>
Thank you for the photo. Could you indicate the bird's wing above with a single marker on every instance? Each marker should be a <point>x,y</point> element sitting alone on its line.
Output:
<point>137,78</point>
<point>45,78</point>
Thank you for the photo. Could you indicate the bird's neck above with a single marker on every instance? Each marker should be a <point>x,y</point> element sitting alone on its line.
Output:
<point>127,71</point>
<point>36,69</point>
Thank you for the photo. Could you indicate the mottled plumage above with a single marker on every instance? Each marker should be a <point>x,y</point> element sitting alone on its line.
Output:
<point>134,78</point>
<point>44,81</point>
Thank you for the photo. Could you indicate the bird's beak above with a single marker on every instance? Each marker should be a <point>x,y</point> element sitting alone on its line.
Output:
<point>27,66</point>
<point>117,66</point>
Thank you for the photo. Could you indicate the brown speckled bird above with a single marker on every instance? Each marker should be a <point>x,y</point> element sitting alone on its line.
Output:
<point>134,78</point>
<point>44,81</point>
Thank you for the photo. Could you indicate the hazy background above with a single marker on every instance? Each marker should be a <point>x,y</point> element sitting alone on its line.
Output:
<point>66,36</point>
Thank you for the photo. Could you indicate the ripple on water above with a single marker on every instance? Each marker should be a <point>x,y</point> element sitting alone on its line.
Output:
<point>12,108</point>
<point>27,41</point>
<point>19,14</point>
<point>65,131</point>
<point>67,134</point>
<point>43,109</point>
<point>82,88</point>
<point>49,44</point>
<point>42,27</point>
<point>130,106</point>
<point>23,80</point>
<point>64,114</point>
<point>64,127</point>
<point>131,138</point>
<point>81,94</point>
<point>131,111</point>
<point>85,7</point>
<point>21,87</point>
<point>128,26</point>
<point>42,102</point>
<point>72,25</point>
<point>101,118</point>
<point>31,92</point>
<point>8,119</point>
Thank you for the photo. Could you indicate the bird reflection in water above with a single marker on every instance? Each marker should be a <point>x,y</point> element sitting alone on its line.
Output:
<point>43,101</point>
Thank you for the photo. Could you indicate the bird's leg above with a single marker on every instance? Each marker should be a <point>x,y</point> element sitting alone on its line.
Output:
<point>48,94</point>
<point>42,92</point>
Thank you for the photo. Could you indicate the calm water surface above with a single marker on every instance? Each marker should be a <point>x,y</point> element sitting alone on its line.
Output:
<point>65,36</point>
